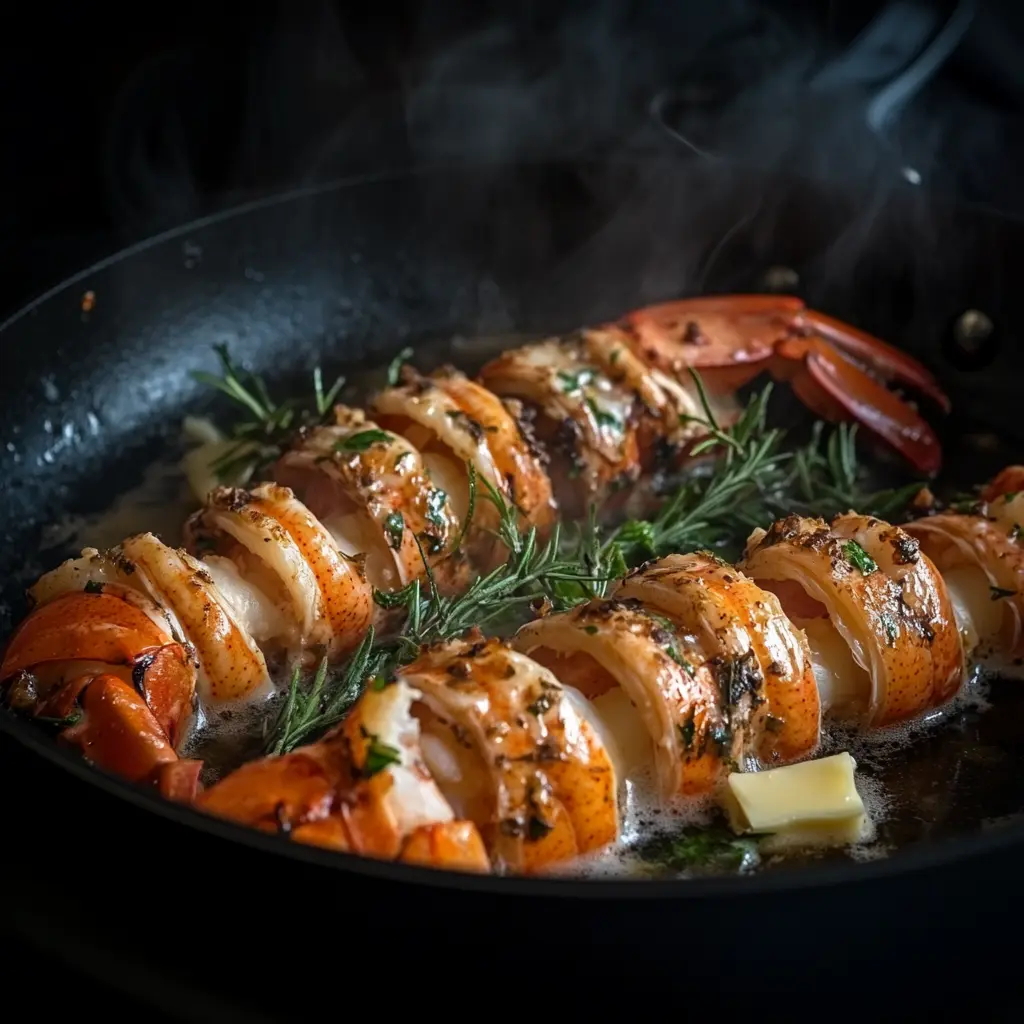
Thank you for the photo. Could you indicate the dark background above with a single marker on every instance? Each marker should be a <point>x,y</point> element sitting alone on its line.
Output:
<point>120,121</point>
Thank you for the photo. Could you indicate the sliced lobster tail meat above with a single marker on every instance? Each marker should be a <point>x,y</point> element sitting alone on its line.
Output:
<point>649,683</point>
<point>586,421</point>
<point>276,545</point>
<point>520,461</point>
<point>231,665</point>
<point>362,789</point>
<point>372,490</point>
<point>876,612</point>
<point>456,423</point>
<point>982,563</point>
<point>514,753</point>
<point>765,688</point>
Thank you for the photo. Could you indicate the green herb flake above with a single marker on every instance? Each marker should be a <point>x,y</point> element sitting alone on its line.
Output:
<point>396,364</point>
<point>713,849</point>
<point>94,587</point>
<point>436,499</point>
<point>998,593</point>
<point>394,527</point>
<point>542,705</point>
<point>573,382</point>
<point>859,558</point>
<point>891,627</point>
<point>603,418</point>
<point>379,756</point>
<point>361,441</point>
<point>590,630</point>
<point>686,733</point>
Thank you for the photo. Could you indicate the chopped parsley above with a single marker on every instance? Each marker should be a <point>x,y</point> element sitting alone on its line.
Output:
<point>859,558</point>
<point>891,627</point>
<point>394,527</point>
<point>603,418</point>
<point>94,587</point>
<point>577,381</point>
<point>361,441</point>
<point>436,499</point>
<point>379,756</point>
<point>687,731</point>
<point>714,848</point>
<point>591,630</point>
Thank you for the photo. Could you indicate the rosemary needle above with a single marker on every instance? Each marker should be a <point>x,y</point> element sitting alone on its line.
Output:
<point>262,435</point>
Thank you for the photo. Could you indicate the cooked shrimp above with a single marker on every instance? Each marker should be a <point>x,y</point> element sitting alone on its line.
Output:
<point>668,706</point>
<point>760,663</point>
<point>108,629</point>
<point>587,419</point>
<point>231,666</point>
<point>514,753</point>
<point>864,582</point>
<point>280,549</point>
<point>370,488</point>
<point>363,788</point>
<point>982,563</point>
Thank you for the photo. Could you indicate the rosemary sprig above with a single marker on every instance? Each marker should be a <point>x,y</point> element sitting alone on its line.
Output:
<point>268,426</point>
<point>310,711</point>
<point>531,571</point>
<point>753,483</point>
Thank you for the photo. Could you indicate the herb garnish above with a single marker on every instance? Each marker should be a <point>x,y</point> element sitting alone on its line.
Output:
<point>363,440</point>
<point>396,364</point>
<point>603,418</point>
<point>859,558</point>
<point>394,527</point>
<point>269,426</point>
<point>714,848</point>
<point>379,756</point>
<point>998,593</point>
<point>576,381</point>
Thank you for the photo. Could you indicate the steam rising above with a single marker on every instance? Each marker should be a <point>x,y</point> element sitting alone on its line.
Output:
<point>716,86</point>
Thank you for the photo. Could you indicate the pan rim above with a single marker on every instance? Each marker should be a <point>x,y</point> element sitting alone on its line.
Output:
<point>922,856</point>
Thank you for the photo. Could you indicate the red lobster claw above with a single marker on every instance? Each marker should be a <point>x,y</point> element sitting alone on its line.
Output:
<point>837,370</point>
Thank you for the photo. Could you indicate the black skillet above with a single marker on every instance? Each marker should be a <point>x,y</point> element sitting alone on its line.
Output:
<point>187,911</point>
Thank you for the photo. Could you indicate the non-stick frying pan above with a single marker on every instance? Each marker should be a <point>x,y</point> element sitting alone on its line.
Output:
<point>166,900</point>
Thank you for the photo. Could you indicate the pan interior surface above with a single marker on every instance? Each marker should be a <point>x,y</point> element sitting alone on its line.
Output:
<point>97,374</point>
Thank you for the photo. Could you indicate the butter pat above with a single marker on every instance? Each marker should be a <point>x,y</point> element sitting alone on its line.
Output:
<point>814,803</point>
